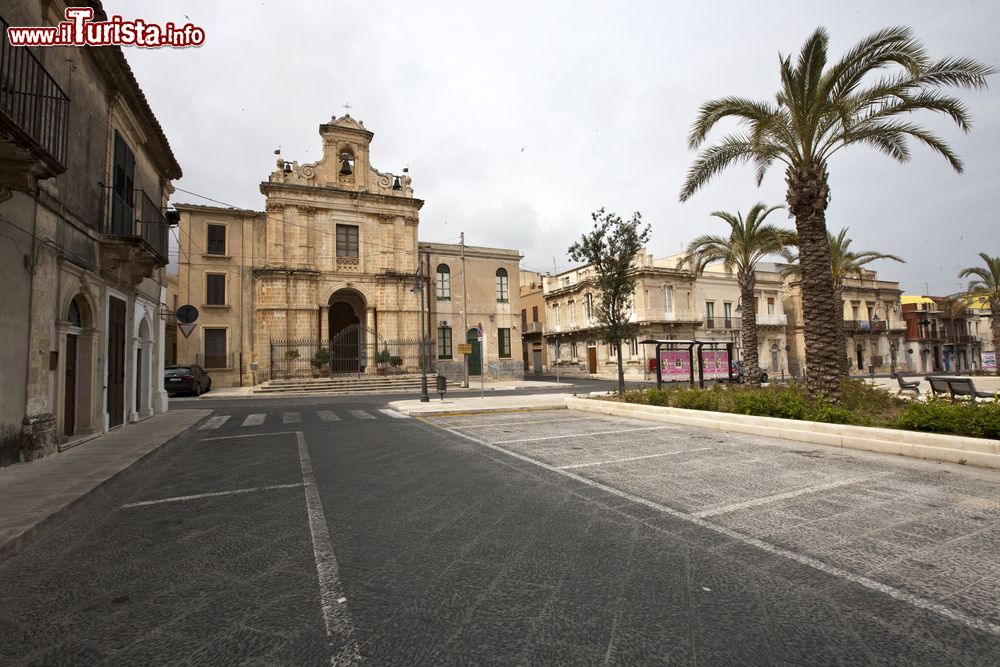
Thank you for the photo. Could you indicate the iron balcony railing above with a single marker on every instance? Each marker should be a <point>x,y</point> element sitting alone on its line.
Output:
<point>722,323</point>
<point>144,221</point>
<point>32,104</point>
<point>865,326</point>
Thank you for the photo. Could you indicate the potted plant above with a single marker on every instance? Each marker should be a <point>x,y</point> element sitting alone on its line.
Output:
<point>290,356</point>
<point>382,360</point>
<point>320,360</point>
<point>396,362</point>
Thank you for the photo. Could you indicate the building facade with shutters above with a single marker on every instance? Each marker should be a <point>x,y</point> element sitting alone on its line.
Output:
<point>471,287</point>
<point>85,173</point>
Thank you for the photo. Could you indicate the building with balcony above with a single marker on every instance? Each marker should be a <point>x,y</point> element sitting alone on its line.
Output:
<point>941,335</point>
<point>533,323</point>
<point>871,316</point>
<point>85,172</point>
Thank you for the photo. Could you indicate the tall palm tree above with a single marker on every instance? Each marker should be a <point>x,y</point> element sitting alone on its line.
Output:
<point>819,109</point>
<point>748,242</point>
<point>986,286</point>
<point>844,263</point>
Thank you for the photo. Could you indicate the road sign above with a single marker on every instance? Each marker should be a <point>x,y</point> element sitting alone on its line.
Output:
<point>186,328</point>
<point>464,348</point>
<point>187,314</point>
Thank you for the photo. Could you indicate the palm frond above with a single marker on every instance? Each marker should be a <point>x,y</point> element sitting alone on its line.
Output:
<point>733,149</point>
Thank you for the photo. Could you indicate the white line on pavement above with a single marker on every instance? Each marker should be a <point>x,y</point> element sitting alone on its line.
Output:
<point>394,414</point>
<point>177,499</point>
<point>582,435</point>
<point>254,420</point>
<point>533,421</point>
<point>725,509</point>
<point>632,458</point>
<point>328,415</point>
<point>291,418</point>
<point>361,414</point>
<point>248,435</point>
<point>871,584</point>
<point>338,621</point>
<point>214,422</point>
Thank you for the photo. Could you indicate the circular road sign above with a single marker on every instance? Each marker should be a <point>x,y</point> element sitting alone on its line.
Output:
<point>187,314</point>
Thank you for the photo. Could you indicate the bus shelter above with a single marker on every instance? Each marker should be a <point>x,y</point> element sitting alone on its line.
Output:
<point>677,359</point>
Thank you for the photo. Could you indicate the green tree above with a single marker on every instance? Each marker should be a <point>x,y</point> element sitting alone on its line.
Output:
<point>866,98</point>
<point>611,249</point>
<point>986,286</point>
<point>748,242</point>
<point>844,263</point>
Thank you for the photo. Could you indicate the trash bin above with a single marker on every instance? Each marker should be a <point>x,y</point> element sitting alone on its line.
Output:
<point>442,385</point>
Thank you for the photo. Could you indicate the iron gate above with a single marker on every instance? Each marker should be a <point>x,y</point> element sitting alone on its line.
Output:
<point>352,351</point>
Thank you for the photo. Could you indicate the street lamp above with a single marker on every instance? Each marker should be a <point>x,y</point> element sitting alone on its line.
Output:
<point>418,286</point>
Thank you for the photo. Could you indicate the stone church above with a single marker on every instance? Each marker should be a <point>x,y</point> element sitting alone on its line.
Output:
<point>332,264</point>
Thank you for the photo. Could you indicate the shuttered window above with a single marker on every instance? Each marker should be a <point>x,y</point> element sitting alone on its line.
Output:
<point>216,240</point>
<point>215,289</point>
<point>347,241</point>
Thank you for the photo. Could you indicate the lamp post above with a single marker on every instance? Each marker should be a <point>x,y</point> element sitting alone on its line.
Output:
<point>418,286</point>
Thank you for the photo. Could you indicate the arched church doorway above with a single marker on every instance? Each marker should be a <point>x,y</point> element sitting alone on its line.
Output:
<point>347,332</point>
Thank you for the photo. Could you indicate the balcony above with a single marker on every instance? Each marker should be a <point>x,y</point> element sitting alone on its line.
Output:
<point>34,118</point>
<point>534,327</point>
<point>772,319</point>
<point>724,323</point>
<point>862,327</point>
<point>136,239</point>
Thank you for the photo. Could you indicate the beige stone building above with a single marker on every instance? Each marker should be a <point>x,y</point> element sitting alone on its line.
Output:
<point>872,319</point>
<point>85,173</point>
<point>332,267</point>
<point>533,323</point>
<point>485,279</point>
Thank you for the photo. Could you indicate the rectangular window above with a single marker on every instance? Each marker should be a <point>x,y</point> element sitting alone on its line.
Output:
<point>123,189</point>
<point>443,283</point>
<point>503,338</point>
<point>215,289</point>
<point>727,313</point>
<point>770,306</point>
<point>524,320</point>
<point>709,314</point>
<point>503,294</point>
<point>215,348</point>
<point>555,314</point>
<point>572,313</point>
<point>635,347</point>
<point>444,343</point>
<point>347,241</point>
<point>612,351</point>
<point>589,306</point>
<point>668,301</point>
<point>216,240</point>
<point>534,313</point>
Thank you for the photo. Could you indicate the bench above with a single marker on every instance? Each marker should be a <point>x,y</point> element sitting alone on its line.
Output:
<point>964,388</point>
<point>939,386</point>
<point>905,385</point>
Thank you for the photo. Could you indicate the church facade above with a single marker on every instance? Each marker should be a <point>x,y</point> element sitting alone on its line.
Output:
<point>328,277</point>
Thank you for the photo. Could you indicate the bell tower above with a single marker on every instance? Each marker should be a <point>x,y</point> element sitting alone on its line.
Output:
<point>345,152</point>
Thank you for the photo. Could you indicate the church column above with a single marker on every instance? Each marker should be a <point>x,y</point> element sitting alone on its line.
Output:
<point>324,324</point>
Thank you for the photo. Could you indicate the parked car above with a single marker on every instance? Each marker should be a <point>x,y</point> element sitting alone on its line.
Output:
<point>740,376</point>
<point>191,378</point>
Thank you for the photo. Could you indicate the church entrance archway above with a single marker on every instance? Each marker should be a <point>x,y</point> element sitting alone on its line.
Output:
<point>347,332</point>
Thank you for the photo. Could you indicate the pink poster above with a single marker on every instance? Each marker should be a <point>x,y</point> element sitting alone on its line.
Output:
<point>675,365</point>
<point>715,364</point>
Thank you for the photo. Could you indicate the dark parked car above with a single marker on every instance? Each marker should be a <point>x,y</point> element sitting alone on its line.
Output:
<point>191,378</point>
<point>739,376</point>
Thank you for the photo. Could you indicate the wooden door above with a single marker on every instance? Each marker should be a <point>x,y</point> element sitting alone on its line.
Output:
<point>116,362</point>
<point>69,403</point>
<point>475,360</point>
<point>537,360</point>
<point>591,359</point>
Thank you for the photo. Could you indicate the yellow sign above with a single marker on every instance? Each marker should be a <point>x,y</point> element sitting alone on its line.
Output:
<point>464,348</point>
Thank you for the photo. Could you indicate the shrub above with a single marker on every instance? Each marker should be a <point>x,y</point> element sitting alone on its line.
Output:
<point>321,358</point>
<point>976,420</point>
<point>784,402</point>
<point>698,399</point>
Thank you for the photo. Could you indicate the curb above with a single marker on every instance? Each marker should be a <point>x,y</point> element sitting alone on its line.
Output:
<point>459,413</point>
<point>914,444</point>
<point>18,543</point>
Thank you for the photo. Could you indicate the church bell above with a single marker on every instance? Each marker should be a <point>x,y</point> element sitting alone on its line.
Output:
<point>345,167</point>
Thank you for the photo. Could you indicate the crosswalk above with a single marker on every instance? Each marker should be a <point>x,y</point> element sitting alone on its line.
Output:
<point>297,417</point>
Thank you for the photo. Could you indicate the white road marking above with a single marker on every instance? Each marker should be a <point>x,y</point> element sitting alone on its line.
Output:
<point>632,458</point>
<point>394,414</point>
<point>247,435</point>
<point>331,592</point>
<point>871,584</point>
<point>764,500</point>
<point>214,422</point>
<point>582,435</point>
<point>254,419</point>
<point>328,415</point>
<point>534,421</point>
<point>291,418</point>
<point>361,414</point>
<point>177,499</point>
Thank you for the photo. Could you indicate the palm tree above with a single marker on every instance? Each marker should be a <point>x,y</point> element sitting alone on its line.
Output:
<point>844,263</point>
<point>748,242</point>
<point>986,286</point>
<point>818,110</point>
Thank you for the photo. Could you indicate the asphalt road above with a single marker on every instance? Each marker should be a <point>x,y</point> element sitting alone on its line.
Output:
<point>309,530</point>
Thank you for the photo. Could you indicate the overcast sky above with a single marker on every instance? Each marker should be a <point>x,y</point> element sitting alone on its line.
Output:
<point>517,119</point>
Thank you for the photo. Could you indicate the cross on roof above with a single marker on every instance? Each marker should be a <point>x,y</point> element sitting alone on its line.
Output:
<point>347,106</point>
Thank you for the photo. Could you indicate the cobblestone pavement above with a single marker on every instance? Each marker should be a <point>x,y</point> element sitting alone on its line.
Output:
<point>296,533</point>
